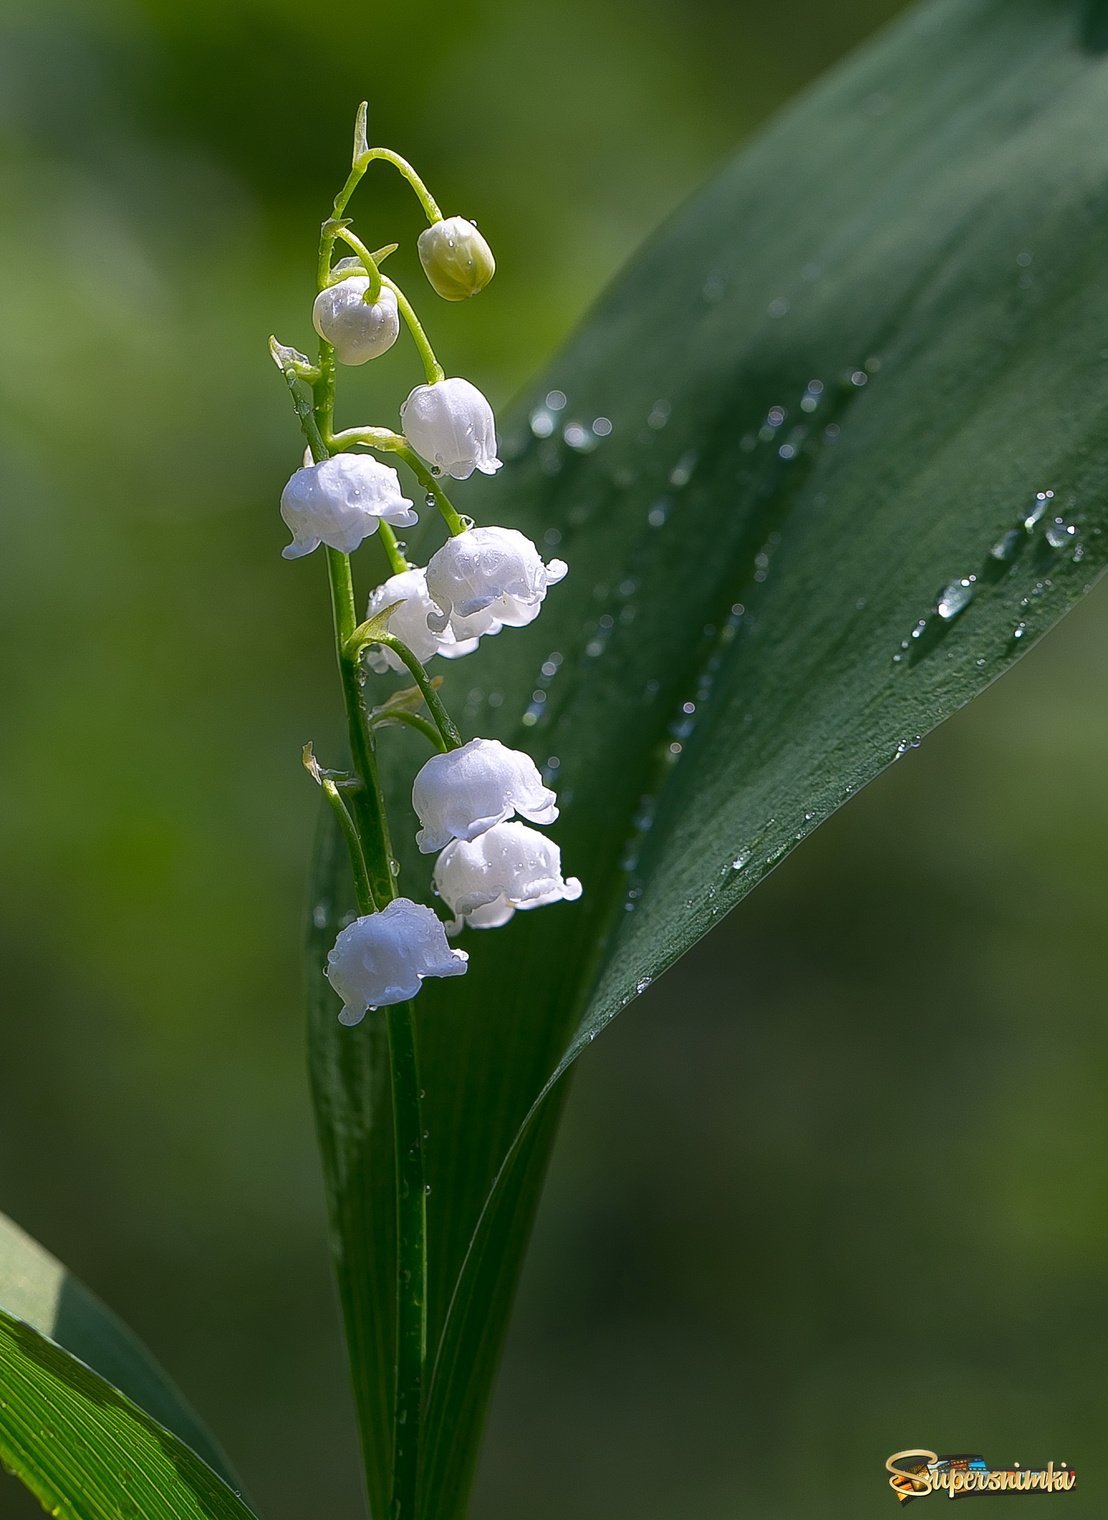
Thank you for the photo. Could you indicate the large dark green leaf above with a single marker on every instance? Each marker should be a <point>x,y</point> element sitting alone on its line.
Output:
<point>85,1451</point>
<point>36,1288</point>
<point>835,382</point>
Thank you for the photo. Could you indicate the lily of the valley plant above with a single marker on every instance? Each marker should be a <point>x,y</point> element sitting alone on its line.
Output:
<point>480,581</point>
<point>878,375</point>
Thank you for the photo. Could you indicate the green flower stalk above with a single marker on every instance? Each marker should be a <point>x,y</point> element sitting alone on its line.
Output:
<point>480,581</point>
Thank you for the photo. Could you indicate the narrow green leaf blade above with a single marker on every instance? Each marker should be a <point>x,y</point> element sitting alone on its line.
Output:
<point>88,1453</point>
<point>821,403</point>
<point>36,1288</point>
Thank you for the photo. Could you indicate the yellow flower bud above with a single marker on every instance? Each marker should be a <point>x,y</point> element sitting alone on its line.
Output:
<point>456,258</point>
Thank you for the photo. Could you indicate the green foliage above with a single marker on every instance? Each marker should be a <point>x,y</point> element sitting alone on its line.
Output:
<point>834,383</point>
<point>88,1453</point>
<point>37,1289</point>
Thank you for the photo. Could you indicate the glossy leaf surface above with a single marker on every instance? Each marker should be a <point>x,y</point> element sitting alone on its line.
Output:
<point>88,1453</point>
<point>36,1288</point>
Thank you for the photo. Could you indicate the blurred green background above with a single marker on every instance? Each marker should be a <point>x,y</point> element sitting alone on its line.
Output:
<point>836,1186</point>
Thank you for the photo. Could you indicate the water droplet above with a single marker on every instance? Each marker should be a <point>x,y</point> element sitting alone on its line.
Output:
<point>578,437</point>
<point>1006,546</point>
<point>858,377</point>
<point>556,400</point>
<point>643,983</point>
<point>1060,534</point>
<point>1019,630</point>
<point>681,473</point>
<point>659,512</point>
<point>956,597</point>
<point>660,414</point>
<point>542,423</point>
<point>602,426</point>
<point>778,307</point>
<point>320,915</point>
<point>1042,500</point>
<point>741,860</point>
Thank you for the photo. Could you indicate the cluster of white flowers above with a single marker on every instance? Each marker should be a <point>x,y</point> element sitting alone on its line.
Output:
<point>482,580</point>
<point>488,867</point>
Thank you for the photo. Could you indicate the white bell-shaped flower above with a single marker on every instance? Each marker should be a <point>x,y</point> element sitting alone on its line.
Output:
<point>340,501</point>
<point>489,578</point>
<point>359,330</point>
<point>383,958</point>
<point>456,258</point>
<point>483,881</point>
<point>451,424</point>
<point>409,623</point>
<point>468,790</point>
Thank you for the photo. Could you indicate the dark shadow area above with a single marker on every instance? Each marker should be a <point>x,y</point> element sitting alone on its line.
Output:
<point>1094,27</point>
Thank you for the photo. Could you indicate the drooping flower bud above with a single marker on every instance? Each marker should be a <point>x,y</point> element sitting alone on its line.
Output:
<point>510,866</point>
<point>466,791</point>
<point>451,424</point>
<point>409,623</point>
<point>382,958</point>
<point>358,330</point>
<point>340,501</point>
<point>456,258</point>
<point>489,578</point>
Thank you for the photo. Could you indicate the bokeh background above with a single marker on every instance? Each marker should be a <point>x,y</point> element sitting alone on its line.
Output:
<point>836,1185</point>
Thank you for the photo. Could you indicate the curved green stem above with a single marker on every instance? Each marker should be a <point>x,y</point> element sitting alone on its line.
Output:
<point>395,443</point>
<point>431,366</point>
<point>442,720</point>
<point>373,437</point>
<point>307,414</point>
<point>393,553</point>
<point>386,155</point>
<point>363,889</point>
<point>368,261</point>
<point>413,720</point>
<point>431,483</point>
